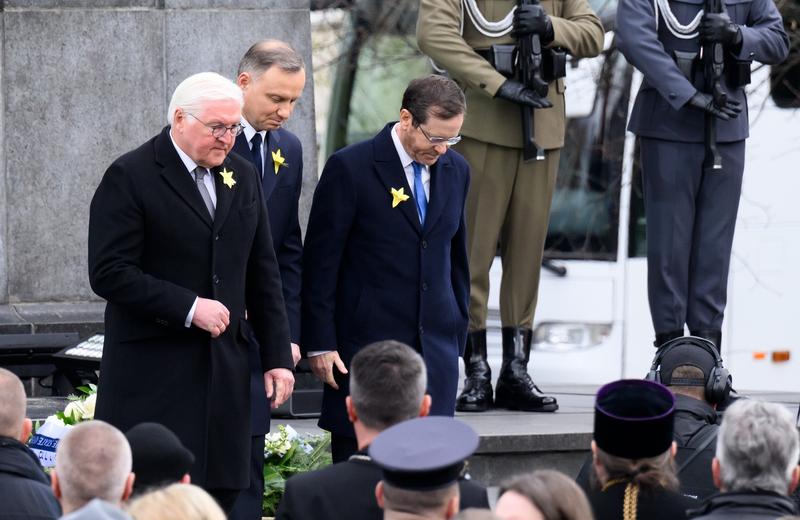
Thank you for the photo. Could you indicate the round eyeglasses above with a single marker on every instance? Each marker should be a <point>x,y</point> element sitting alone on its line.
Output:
<point>218,130</point>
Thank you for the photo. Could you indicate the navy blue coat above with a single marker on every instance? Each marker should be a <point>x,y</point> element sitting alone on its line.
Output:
<point>659,110</point>
<point>371,272</point>
<point>282,194</point>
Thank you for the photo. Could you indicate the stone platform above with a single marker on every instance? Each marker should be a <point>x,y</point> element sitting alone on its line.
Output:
<point>511,442</point>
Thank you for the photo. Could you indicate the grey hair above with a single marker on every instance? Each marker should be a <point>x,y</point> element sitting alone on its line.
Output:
<point>267,53</point>
<point>757,447</point>
<point>387,383</point>
<point>198,89</point>
<point>93,460</point>
<point>12,404</point>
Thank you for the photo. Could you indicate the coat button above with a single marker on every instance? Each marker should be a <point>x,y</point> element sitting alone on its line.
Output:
<point>421,330</point>
<point>424,244</point>
<point>215,279</point>
<point>672,95</point>
<point>424,286</point>
<point>216,237</point>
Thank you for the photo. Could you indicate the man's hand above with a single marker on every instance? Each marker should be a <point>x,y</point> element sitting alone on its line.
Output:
<point>296,353</point>
<point>729,110</point>
<point>212,316</point>
<point>532,19</point>
<point>322,366</point>
<point>516,92</point>
<point>718,27</point>
<point>279,383</point>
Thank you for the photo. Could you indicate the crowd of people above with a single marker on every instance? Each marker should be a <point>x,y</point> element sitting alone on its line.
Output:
<point>410,465</point>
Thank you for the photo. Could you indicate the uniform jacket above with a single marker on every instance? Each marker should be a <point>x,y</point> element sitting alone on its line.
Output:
<point>576,27</point>
<point>282,194</point>
<point>153,249</point>
<point>745,506</point>
<point>371,272</point>
<point>24,487</point>
<point>346,491</point>
<point>657,504</point>
<point>659,110</point>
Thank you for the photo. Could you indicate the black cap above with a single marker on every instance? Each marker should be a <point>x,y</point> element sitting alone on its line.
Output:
<point>158,455</point>
<point>633,419</point>
<point>686,353</point>
<point>425,453</point>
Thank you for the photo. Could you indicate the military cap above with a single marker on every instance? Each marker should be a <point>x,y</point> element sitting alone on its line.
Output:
<point>158,455</point>
<point>634,419</point>
<point>425,453</point>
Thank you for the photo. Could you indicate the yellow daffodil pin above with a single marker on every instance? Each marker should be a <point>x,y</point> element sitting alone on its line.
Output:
<point>227,178</point>
<point>398,196</point>
<point>278,160</point>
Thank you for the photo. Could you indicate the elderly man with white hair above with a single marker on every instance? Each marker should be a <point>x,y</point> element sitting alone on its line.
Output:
<point>180,247</point>
<point>24,487</point>
<point>93,460</point>
<point>756,464</point>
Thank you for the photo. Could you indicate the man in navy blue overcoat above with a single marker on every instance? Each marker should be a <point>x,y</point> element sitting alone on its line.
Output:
<point>385,252</point>
<point>272,76</point>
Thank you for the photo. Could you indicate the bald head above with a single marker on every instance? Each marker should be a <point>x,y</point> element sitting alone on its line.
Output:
<point>93,460</point>
<point>12,404</point>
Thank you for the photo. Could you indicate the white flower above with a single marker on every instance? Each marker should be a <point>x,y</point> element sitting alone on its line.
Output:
<point>75,410</point>
<point>88,407</point>
<point>291,433</point>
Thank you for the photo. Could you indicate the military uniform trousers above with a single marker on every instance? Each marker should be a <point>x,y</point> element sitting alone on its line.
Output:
<point>508,201</point>
<point>691,218</point>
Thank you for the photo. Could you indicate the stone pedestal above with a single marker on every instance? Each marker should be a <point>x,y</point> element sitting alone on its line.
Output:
<point>83,81</point>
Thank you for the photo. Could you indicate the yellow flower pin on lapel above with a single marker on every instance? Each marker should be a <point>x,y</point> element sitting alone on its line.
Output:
<point>278,160</point>
<point>227,178</point>
<point>398,196</point>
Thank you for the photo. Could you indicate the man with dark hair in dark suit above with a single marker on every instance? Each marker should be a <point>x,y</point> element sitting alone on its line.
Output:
<point>385,252</point>
<point>180,247</point>
<point>272,75</point>
<point>387,387</point>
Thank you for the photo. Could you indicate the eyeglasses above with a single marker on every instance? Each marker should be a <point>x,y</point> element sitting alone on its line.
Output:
<point>219,131</point>
<point>449,141</point>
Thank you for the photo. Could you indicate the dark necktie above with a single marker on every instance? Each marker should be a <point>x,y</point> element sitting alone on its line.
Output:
<point>256,155</point>
<point>419,192</point>
<point>199,173</point>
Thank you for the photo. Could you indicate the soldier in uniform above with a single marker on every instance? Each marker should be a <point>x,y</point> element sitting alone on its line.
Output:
<point>509,199</point>
<point>691,214</point>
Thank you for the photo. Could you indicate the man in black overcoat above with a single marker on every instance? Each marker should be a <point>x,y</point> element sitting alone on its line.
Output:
<point>180,247</point>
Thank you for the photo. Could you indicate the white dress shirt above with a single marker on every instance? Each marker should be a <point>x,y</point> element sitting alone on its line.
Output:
<point>406,161</point>
<point>249,132</point>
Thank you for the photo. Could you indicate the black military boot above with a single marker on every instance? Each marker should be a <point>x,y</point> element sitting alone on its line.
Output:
<point>712,335</point>
<point>515,389</point>
<point>477,393</point>
<point>663,337</point>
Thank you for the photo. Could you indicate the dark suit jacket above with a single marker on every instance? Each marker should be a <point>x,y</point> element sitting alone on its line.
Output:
<point>153,249</point>
<point>282,194</point>
<point>659,110</point>
<point>371,272</point>
<point>658,504</point>
<point>346,491</point>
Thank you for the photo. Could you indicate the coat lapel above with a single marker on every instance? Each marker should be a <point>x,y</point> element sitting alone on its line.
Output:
<point>441,174</point>
<point>392,175</point>
<point>225,193</point>
<point>175,174</point>
<point>270,178</point>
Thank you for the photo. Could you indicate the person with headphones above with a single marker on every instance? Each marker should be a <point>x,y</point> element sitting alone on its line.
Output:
<point>692,369</point>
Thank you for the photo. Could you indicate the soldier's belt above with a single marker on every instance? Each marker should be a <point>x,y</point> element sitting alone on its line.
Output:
<point>504,58</point>
<point>737,72</point>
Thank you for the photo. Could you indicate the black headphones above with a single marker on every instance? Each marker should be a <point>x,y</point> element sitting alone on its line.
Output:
<point>718,382</point>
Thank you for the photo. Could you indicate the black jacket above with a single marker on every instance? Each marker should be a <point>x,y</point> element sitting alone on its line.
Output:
<point>745,506</point>
<point>24,488</point>
<point>346,491</point>
<point>695,421</point>
<point>657,504</point>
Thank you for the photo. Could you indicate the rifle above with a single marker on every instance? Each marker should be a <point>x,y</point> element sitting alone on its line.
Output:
<point>714,67</point>
<point>530,71</point>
